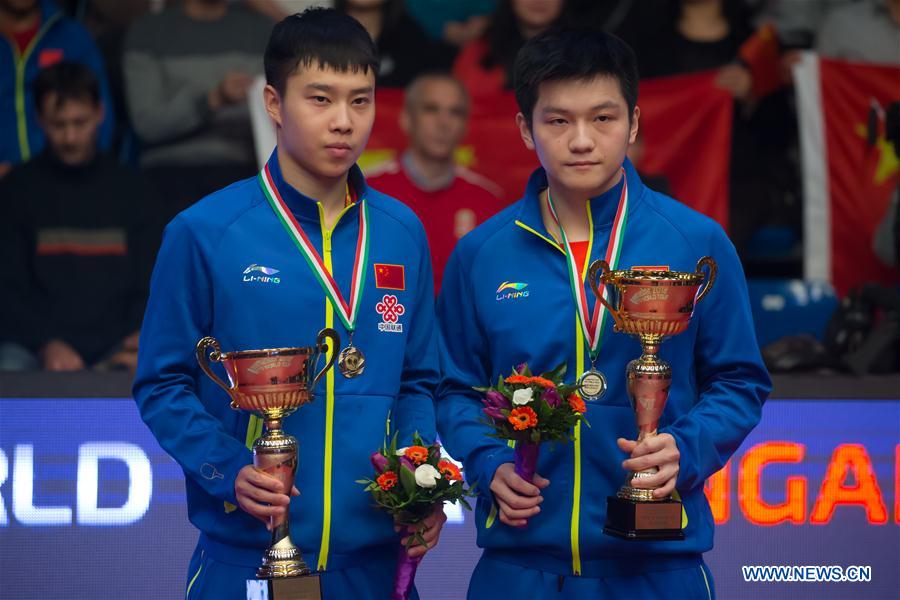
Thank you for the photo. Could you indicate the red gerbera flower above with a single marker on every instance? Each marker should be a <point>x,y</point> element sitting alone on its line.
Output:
<point>522,418</point>
<point>449,471</point>
<point>417,454</point>
<point>387,480</point>
<point>577,403</point>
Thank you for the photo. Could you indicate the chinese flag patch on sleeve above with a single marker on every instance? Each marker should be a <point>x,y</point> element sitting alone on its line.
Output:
<point>390,277</point>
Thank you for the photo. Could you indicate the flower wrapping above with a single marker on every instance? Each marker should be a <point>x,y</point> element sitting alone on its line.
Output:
<point>408,484</point>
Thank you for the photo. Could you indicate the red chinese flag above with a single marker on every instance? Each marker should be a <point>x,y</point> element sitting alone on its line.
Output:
<point>762,55</point>
<point>389,277</point>
<point>686,122</point>
<point>848,182</point>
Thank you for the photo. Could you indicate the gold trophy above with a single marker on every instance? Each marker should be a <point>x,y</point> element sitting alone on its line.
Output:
<point>274,383</point>
<point>651,305</point>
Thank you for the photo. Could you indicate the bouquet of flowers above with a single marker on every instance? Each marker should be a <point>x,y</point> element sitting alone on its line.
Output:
<point>409,483</point>
<point>532,409</point>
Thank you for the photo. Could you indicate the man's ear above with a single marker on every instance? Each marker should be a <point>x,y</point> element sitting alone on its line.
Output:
<point>635,116</point>
<point>525,131</point>
<point>272,99</point>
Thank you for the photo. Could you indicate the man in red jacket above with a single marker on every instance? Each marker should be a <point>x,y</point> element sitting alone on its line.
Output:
<point>449,199</point>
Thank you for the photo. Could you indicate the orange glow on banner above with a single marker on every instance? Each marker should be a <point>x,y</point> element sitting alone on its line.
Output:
<point>717,490</point>
<point>755,509</point>
<point>835,490</point>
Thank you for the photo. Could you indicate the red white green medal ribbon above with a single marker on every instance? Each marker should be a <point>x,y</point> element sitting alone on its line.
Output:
<point>593,327</point>
<point>347,311</point>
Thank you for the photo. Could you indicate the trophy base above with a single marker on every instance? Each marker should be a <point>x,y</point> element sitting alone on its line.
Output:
<point>305,587</point>
<point>633,520</point>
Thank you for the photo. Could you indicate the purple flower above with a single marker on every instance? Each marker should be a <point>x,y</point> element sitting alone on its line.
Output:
<point>497,400</point>
<point>379,462</point>
<point>520,368</point>
<point>407,464</point>
<point>493,412</point>
<point>551,397</point>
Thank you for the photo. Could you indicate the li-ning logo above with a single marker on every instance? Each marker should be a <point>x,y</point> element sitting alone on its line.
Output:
<point>267,274</point>
<point>510,290</point>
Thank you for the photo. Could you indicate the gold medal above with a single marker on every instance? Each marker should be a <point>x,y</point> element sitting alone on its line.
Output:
<point>592,385</point>
<point>351,362</point>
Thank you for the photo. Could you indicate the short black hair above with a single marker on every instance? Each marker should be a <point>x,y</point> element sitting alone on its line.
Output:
<point>68,81</point>
<point>573,53</point>
<point>318,36</point>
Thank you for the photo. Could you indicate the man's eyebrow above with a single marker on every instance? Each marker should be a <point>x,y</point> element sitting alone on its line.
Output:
<point>556,109</point>
<point>324,87</point>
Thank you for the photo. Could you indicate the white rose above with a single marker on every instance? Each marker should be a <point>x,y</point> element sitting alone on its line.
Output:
<point>401,451</point>
<point>522,397</point>
<point>427,476</point>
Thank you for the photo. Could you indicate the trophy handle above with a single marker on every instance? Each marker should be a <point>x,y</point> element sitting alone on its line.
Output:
<point>321,346</point>
<point>713,269</point>
<point>597,268</point>
<point>202,348</point>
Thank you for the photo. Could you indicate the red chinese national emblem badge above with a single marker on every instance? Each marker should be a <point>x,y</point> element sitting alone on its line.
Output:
<point>390,310</point>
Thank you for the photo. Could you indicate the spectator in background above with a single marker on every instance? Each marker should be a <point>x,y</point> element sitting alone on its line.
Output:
<point>485,66</point>
<point>449,199</point>
<point>187,74</point>
<point>865,31</point>
<point>37,35</point>
<point>798,22</point>
<point>75,239</point>
<point>699,35</point>
<point>404,50</point>
<point>457,23</point>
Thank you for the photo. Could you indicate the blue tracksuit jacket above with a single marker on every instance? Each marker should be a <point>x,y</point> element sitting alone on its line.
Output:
<point>718,388</point>
<point>20,136</point>
<point>199,288</point>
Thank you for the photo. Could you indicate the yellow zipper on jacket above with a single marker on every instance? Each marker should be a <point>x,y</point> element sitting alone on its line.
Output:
<point>574,528</point>
<point>329,397</point>
<point>21,61</point>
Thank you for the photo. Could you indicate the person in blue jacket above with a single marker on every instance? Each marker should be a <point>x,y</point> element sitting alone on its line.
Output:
<point>36,34</point>
<point>507,299</point>
<point>228,267</point>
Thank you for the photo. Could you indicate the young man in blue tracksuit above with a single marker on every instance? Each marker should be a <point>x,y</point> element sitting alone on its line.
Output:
<point>36,35</point>
<point>507,299</point>
<point>230,268</point>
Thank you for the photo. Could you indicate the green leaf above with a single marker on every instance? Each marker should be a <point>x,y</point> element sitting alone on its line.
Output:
<point>557,374</point>
<point>408,481</point>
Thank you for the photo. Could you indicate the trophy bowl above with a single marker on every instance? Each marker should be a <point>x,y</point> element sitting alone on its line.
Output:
<point>653,303</point>
<point>274,382</point>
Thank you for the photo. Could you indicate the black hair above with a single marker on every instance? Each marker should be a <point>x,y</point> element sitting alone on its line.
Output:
<point>68,81</point>
<point>571,53</point>
<point>322,37</point>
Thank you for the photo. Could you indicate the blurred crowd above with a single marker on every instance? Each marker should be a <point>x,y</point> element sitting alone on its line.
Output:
<point>117,114</point>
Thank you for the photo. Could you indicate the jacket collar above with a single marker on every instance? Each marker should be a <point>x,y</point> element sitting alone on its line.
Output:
<point>303,207</point>
<point>603,207</point>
